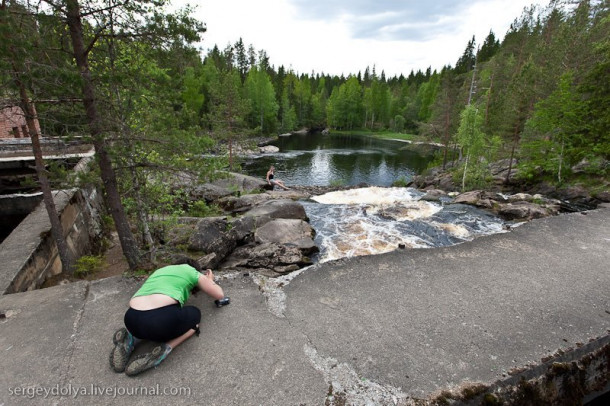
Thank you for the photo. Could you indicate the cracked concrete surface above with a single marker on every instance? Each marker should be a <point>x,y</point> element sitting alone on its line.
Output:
<point>383,330</point>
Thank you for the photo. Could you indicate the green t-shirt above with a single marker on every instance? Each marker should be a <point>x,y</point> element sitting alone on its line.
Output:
<point>175,281</point>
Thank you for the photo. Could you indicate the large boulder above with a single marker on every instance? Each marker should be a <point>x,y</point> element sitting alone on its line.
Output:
<point>524,211</point>
<point>433,195</point>
<point>212,237</point>
<point>475,198</point>
<point>603,196</point>
<point>268,149</point>
<point>240,183</point>
<point>230,184</point>
<point>287,232</point>
<point>276,209</point>
<point>471,197</point>
<point>243,228</point>
<point>209,193</point>
<point>272,239</point>
<point>239,204</point>
<point>500,169</point>
<point>269,259</point>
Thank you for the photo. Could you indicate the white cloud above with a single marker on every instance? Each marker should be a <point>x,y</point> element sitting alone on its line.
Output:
<point>348,36</point>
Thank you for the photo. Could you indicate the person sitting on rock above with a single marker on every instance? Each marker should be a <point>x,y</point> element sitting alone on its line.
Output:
<point>157,313</point>
<point>274,182</point>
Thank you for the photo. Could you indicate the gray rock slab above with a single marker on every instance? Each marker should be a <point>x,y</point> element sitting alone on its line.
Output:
<point>419,321</point>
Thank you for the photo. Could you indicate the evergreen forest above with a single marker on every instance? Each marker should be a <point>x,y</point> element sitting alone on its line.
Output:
<point>128,77</point>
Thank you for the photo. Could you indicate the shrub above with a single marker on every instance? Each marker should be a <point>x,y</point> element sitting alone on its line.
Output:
<point>400,182</point>
<point>88,264</point>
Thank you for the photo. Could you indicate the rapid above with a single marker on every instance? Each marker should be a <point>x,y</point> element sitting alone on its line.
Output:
<point>374,220</point>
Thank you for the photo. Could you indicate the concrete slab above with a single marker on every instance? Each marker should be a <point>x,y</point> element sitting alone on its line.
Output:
<point>244,354</point>
<point>19,248</point>
<point>380,330</point>
<point>36,340</point>
<point>420,321</point>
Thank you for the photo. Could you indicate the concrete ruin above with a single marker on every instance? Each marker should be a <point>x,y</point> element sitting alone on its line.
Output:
<point>28,254</point>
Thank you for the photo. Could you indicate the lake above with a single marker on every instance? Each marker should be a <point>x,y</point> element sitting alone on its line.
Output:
<point>338,159</point>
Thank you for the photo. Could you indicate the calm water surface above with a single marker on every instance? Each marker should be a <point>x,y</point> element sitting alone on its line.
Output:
<point>322,160</point>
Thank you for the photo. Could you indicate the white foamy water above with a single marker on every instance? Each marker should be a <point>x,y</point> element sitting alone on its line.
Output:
<point>369,221</point>
<point>370,195</point>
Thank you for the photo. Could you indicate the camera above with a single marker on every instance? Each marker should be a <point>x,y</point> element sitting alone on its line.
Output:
<point>222,302</point>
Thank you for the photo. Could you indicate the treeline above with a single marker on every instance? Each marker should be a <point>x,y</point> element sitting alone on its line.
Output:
<point>540,95</point>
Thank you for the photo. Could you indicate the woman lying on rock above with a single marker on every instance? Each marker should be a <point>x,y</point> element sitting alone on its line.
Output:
<point>157,313</point>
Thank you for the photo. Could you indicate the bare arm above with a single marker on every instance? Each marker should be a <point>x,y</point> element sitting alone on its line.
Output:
<point>268,177</point>
<point>208,286</point>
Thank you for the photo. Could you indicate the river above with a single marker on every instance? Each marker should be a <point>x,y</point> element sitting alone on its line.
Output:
<point>338,159</point>
<point>376,218</point>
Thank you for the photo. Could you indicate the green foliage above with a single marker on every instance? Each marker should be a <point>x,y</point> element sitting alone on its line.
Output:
<point>288,115</point>
<point>399,123</point>
<point>400,182</point>
<point>137,273</point>
<point>345,104</point>
<point>553,139</point>
<point>88,265</point>
<point>201,209</point>
<point>489,48</point>
<point>192,95</point>
<point>377,102</point>
<point>477,148</point>
<point>260,92</point>
<point>425,97</point>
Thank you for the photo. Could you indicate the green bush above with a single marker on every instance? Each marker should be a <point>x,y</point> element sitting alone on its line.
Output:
<point>201,209</point>
<point>88,264</point>
<point>400,182</point>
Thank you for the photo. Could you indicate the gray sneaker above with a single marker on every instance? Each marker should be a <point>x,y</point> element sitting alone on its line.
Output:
<point>147,361</point>
<point>123,347</point>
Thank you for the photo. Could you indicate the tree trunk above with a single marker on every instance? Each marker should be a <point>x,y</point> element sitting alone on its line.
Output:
<point>146,235</point>
<point>446,138</point>
<point>65,255</point>
<point>512,153</point>
<point>112,197</point>
<point>464,175</point>
<point>560,161</point>
<point>491,82</point>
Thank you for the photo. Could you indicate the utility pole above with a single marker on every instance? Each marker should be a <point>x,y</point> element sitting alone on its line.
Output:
<point>472,91</point>
<point>472,85</point>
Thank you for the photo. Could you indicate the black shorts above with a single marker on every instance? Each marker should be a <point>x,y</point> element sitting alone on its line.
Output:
<point>162,324</point>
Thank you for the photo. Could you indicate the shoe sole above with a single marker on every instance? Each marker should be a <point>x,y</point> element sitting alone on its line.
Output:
<point>119,356</point>
<point>145,362</point>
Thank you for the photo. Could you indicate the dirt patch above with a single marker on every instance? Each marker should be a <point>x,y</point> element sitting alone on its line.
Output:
<point>114,260</point>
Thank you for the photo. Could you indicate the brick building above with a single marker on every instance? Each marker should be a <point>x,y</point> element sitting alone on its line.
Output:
<point>12,123</point>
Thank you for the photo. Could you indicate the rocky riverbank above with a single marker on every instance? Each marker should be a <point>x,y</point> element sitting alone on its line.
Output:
<point>267,232</point>
<point>506,181</point>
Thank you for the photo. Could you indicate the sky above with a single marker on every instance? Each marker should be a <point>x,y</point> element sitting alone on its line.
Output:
<point>345,36</point>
